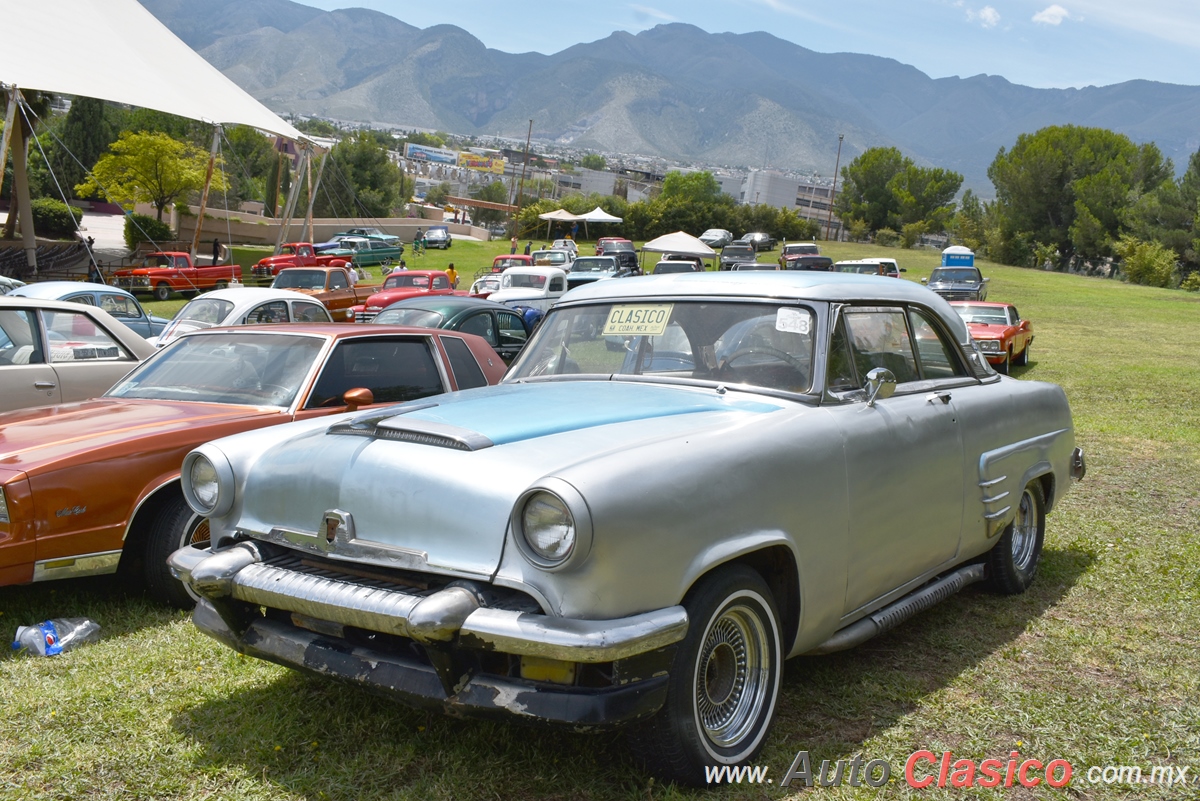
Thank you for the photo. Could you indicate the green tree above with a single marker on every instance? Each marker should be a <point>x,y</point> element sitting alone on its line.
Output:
<point>495,192</point>
<point>251,157</point>
<point>924,196</point>
<point>1070,187</point>
<point>1169,215</point>
<point>593,161</point>
<point>866,192</point>
<point>693,187</point>
<point>436,195</point>
<point>149,168</point>
<point>84,136</point>
<point>316,127</point>
<point>969,226</point>
<point>359,179</point>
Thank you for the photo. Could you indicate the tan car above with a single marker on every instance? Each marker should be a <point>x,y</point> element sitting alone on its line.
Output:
<point>58,352</point>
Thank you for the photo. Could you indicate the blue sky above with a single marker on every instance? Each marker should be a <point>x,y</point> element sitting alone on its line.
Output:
<point>1044,44</point>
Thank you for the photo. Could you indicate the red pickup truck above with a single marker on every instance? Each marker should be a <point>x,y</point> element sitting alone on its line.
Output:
<point>164,272</point>
<point>294,254</point>
<point>401,286</point>
<point>329,285</point>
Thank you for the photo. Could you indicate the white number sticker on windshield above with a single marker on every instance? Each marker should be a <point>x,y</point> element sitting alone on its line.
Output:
<point>795,321</point>
<point>640,320</point>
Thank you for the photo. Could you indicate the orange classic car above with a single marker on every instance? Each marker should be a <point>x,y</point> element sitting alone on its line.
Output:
<point>93,487</point>
<point>1002,335</point>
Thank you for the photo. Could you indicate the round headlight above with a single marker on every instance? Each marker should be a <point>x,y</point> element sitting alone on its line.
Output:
<point>548,526</point>
<point>205,487</point>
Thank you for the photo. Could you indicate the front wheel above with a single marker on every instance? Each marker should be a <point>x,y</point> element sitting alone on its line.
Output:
<point>174,527</point>
<point>1012,562</point>
<point>725,680</point>
<point>162,292</point>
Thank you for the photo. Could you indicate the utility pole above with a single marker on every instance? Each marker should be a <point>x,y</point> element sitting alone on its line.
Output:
<point>521,191</point>
<point>833,192</point>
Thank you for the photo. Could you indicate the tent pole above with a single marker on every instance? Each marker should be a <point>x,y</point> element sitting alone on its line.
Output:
<point>21,188</point>
<point>290,207</point>
<point>312,196</point>
<point>212,160</point>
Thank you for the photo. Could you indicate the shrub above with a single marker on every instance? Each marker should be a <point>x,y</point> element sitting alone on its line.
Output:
<point>143,228</point>
<point>859,231</point>
<point>911,233</point>
<point>1191,283</point>
<point>53,219</point>
<point>1146,263</point>
<point>886,237</point>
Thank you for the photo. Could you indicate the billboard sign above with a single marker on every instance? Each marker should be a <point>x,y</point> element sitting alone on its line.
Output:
<point>474,161</point>
<point>439,155</point>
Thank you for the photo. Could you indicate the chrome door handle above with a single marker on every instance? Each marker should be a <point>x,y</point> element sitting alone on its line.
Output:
<point>44,385</point>
<point>944,397</point>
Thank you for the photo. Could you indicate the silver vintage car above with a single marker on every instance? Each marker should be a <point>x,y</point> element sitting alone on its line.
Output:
<point>682,481</point>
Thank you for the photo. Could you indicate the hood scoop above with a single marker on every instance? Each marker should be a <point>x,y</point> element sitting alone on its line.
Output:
<point>394,426</point>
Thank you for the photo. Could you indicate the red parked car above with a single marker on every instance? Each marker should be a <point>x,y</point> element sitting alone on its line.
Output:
<point>1002,335</point>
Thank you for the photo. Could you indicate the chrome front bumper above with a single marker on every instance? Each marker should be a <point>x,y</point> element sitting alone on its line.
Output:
<point>455,613</point>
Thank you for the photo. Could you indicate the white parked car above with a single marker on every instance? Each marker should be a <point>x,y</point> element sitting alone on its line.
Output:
<point>535,287</point>
<point>568,245</point>
<point>244,306</point>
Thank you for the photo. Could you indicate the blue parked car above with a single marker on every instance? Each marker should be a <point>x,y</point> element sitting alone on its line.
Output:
<point>117,302</point>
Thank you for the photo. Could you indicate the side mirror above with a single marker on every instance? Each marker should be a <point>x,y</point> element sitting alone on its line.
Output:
<point>359,396</point>
<point>881,383</point>
<point>924,280</point>
<point>904,270</point>
<point>986,280</point>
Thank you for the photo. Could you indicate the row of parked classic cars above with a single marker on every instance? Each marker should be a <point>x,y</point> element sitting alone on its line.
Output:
<point>558,541</point>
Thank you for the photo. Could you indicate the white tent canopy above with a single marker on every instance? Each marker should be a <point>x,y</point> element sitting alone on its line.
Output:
<point>559,215</point>
<point>599,215</point>
<point>116,50</point>
<point>681,243</point>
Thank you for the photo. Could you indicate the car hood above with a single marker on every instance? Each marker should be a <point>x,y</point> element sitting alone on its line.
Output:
<point>453,505</point>
<point>36,438</point>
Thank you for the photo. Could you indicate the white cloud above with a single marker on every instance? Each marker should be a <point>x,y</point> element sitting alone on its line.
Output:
<point>1053,15</point>
<point>987,16</point>
<point>654,13</point>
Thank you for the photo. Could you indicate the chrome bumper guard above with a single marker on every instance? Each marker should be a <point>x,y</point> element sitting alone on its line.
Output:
<point>239,573</point>
<point>1078,464</point>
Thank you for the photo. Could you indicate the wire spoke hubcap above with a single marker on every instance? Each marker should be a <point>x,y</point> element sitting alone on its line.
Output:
<point>731,678</point>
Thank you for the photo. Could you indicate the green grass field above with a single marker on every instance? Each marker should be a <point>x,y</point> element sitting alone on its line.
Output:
<point>1097,664</point>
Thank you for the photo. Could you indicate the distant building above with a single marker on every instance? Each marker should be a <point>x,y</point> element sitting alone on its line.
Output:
<point>769,188</point>
<point>586,182</point>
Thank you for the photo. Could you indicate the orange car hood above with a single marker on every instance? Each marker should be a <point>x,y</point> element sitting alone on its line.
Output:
<point>33,438</point>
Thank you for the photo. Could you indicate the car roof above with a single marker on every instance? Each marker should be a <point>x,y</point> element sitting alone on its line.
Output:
<point>447,304</point>
<point>782,284</point>
<point>53,290</point>
<point>252,294</point>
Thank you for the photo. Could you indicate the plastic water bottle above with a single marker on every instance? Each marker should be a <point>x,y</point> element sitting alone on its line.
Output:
<point>52,637</point>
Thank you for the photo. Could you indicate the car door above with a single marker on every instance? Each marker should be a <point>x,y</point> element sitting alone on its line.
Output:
<point>513,335</point>
<point>87,359</point>
<point>904,454</point>
<point>26,378</point>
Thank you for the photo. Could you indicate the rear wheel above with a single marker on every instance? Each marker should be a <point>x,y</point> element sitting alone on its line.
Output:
<point>1023,359</point>
<point>725,680</point>
<point>1012,562</point>
<point>162,292</point>
<point>175,527</point>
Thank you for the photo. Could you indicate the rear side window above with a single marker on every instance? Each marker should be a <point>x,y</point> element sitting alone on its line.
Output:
<point>467,373</point>
<point>395,370</point>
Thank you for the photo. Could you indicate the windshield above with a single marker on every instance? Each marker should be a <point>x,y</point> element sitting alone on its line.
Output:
<point>594,264</point>
<point>196,315</point>
<point>768,345</point>
<point>549,257</point>
<point>513,280</point>
<point>955,275</point>
<point>989,315</point>
<point>240,369</point>
<point>402,280</point>
<point>420,318</point>
<point>300,279</point>
<point>801,250</point>
<point>737,250</point>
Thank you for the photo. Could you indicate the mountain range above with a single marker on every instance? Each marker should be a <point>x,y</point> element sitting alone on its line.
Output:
<point>748,100</point>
